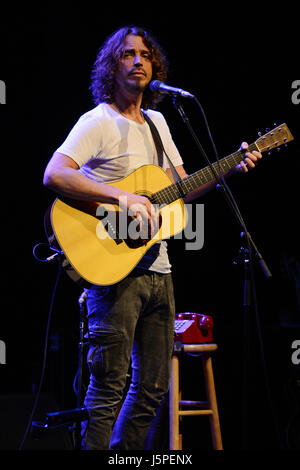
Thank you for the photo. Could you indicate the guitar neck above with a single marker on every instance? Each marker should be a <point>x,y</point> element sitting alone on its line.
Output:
<point>185,186</point>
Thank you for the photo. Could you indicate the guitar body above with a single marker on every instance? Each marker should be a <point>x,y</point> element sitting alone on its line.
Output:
<point>101,256</point>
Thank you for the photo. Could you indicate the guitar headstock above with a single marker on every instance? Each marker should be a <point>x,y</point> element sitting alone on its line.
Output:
<point>279,136</point>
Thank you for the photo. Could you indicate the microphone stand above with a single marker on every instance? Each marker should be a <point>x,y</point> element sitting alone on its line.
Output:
<point>82,315</point>
<point>249,251</point>
<point>221,185</point>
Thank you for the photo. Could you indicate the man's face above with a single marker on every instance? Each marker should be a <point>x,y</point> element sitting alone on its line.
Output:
<point>134,70</point>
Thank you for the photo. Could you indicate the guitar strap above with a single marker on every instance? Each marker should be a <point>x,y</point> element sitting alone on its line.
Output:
<point>160,147</point>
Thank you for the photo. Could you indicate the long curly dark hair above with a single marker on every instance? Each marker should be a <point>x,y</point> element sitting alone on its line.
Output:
<point>103,72</point>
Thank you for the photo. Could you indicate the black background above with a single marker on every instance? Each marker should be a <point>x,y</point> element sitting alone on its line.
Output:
<point>241,66</point>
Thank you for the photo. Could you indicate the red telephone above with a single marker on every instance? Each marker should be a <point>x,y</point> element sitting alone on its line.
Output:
<point>193,328</point>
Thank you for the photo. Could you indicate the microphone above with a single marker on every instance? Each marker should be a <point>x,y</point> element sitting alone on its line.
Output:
<point>157,85</point>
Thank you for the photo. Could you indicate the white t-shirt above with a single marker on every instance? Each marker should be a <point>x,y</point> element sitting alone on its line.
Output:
<point>107,147</point>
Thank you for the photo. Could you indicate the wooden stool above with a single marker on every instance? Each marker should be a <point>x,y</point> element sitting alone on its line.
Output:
<point>199,407</point>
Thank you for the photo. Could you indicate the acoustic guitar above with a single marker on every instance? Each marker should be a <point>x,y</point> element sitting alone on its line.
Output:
<point>95,238</point>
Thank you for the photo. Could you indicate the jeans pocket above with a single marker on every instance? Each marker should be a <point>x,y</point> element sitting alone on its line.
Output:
<point>103,352</point>
<point>95,360</point>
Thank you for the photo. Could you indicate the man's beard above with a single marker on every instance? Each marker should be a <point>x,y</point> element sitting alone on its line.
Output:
<point>137,86</point>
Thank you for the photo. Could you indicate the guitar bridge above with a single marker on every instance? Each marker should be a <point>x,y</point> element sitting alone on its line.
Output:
<point>111,228</point>
<point>112,220</point>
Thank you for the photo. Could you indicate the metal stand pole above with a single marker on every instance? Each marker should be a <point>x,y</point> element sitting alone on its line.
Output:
<point>82,304</point>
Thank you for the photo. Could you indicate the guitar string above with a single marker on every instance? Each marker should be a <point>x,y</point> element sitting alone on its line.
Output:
<point>171,192</point>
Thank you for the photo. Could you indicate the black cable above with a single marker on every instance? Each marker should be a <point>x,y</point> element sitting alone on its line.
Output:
<point>263,359</point>
<point>50,258</point>
<point>44,355</point>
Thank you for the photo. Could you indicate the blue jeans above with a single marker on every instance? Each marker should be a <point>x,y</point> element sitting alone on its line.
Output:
<point>130,323</point>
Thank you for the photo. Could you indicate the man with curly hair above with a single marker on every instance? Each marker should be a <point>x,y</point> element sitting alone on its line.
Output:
<point>130,323</point>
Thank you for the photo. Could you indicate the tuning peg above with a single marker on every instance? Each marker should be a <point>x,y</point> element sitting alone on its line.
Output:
<point>259,133</point>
